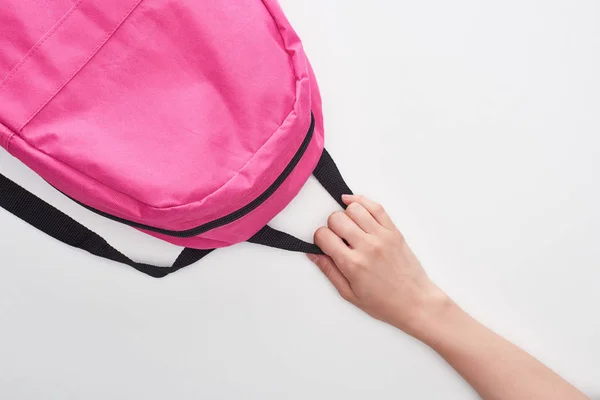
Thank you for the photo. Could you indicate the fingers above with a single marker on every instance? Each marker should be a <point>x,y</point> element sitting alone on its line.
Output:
<point>375,209</point>
<point>349,234</point>
<point>363,218</point>
<point>343,226</point>
<point>331,244</point>
<point>331,271</point>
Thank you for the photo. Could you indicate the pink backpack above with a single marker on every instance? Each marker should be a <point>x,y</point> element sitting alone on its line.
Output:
<point>192,121</point>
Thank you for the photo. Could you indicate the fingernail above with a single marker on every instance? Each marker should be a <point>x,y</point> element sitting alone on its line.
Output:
<point>346,197</point>
<point>312,257</point>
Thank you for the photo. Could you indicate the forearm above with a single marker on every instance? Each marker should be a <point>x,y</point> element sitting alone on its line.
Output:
<point>494,367</point>
<point>372,266</point>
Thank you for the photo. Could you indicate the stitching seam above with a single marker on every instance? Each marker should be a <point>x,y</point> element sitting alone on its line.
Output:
<point>9,140</point>
<point>6,135</point>
<point>293,111</point>
<point>297,80</point>
<point>39,44</point>
<point>87,60</point>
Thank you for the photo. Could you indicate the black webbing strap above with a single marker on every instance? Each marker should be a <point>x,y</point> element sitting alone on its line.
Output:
<point>268,236</point>
<point>57,224</point>
<point>328,174</point>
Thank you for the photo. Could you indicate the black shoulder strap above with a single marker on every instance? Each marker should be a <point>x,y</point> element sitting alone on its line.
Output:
<point>330,177</point>
<point>328,174</point>
<point>268,236</point>
<point>57,224</point>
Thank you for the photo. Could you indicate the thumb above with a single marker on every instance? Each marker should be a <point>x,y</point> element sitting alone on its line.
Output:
<point>331,271</point>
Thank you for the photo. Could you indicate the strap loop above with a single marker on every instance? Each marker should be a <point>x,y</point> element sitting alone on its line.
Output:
<point>268,236</point>
<point>57,224</point>
<point>328,174</point>
<point>330,177</point>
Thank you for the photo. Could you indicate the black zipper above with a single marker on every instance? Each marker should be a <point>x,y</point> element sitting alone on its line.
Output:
<point>229,218</point>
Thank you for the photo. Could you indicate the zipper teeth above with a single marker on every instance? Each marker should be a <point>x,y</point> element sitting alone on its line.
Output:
<point>229,218</point>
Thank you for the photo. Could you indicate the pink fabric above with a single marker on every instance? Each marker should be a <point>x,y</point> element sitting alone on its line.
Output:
<point>170,114</point>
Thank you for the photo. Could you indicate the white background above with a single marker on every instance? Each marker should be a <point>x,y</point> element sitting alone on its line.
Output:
<point>475,123</point>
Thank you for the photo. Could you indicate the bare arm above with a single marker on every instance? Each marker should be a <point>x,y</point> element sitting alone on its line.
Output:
<point>377,272</point>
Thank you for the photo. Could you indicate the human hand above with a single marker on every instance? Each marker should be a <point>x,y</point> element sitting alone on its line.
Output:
<point>370,264</point>
<point>375,269</point>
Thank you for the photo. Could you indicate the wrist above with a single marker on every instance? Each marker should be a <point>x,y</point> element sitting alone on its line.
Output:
<point>432,315</point>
